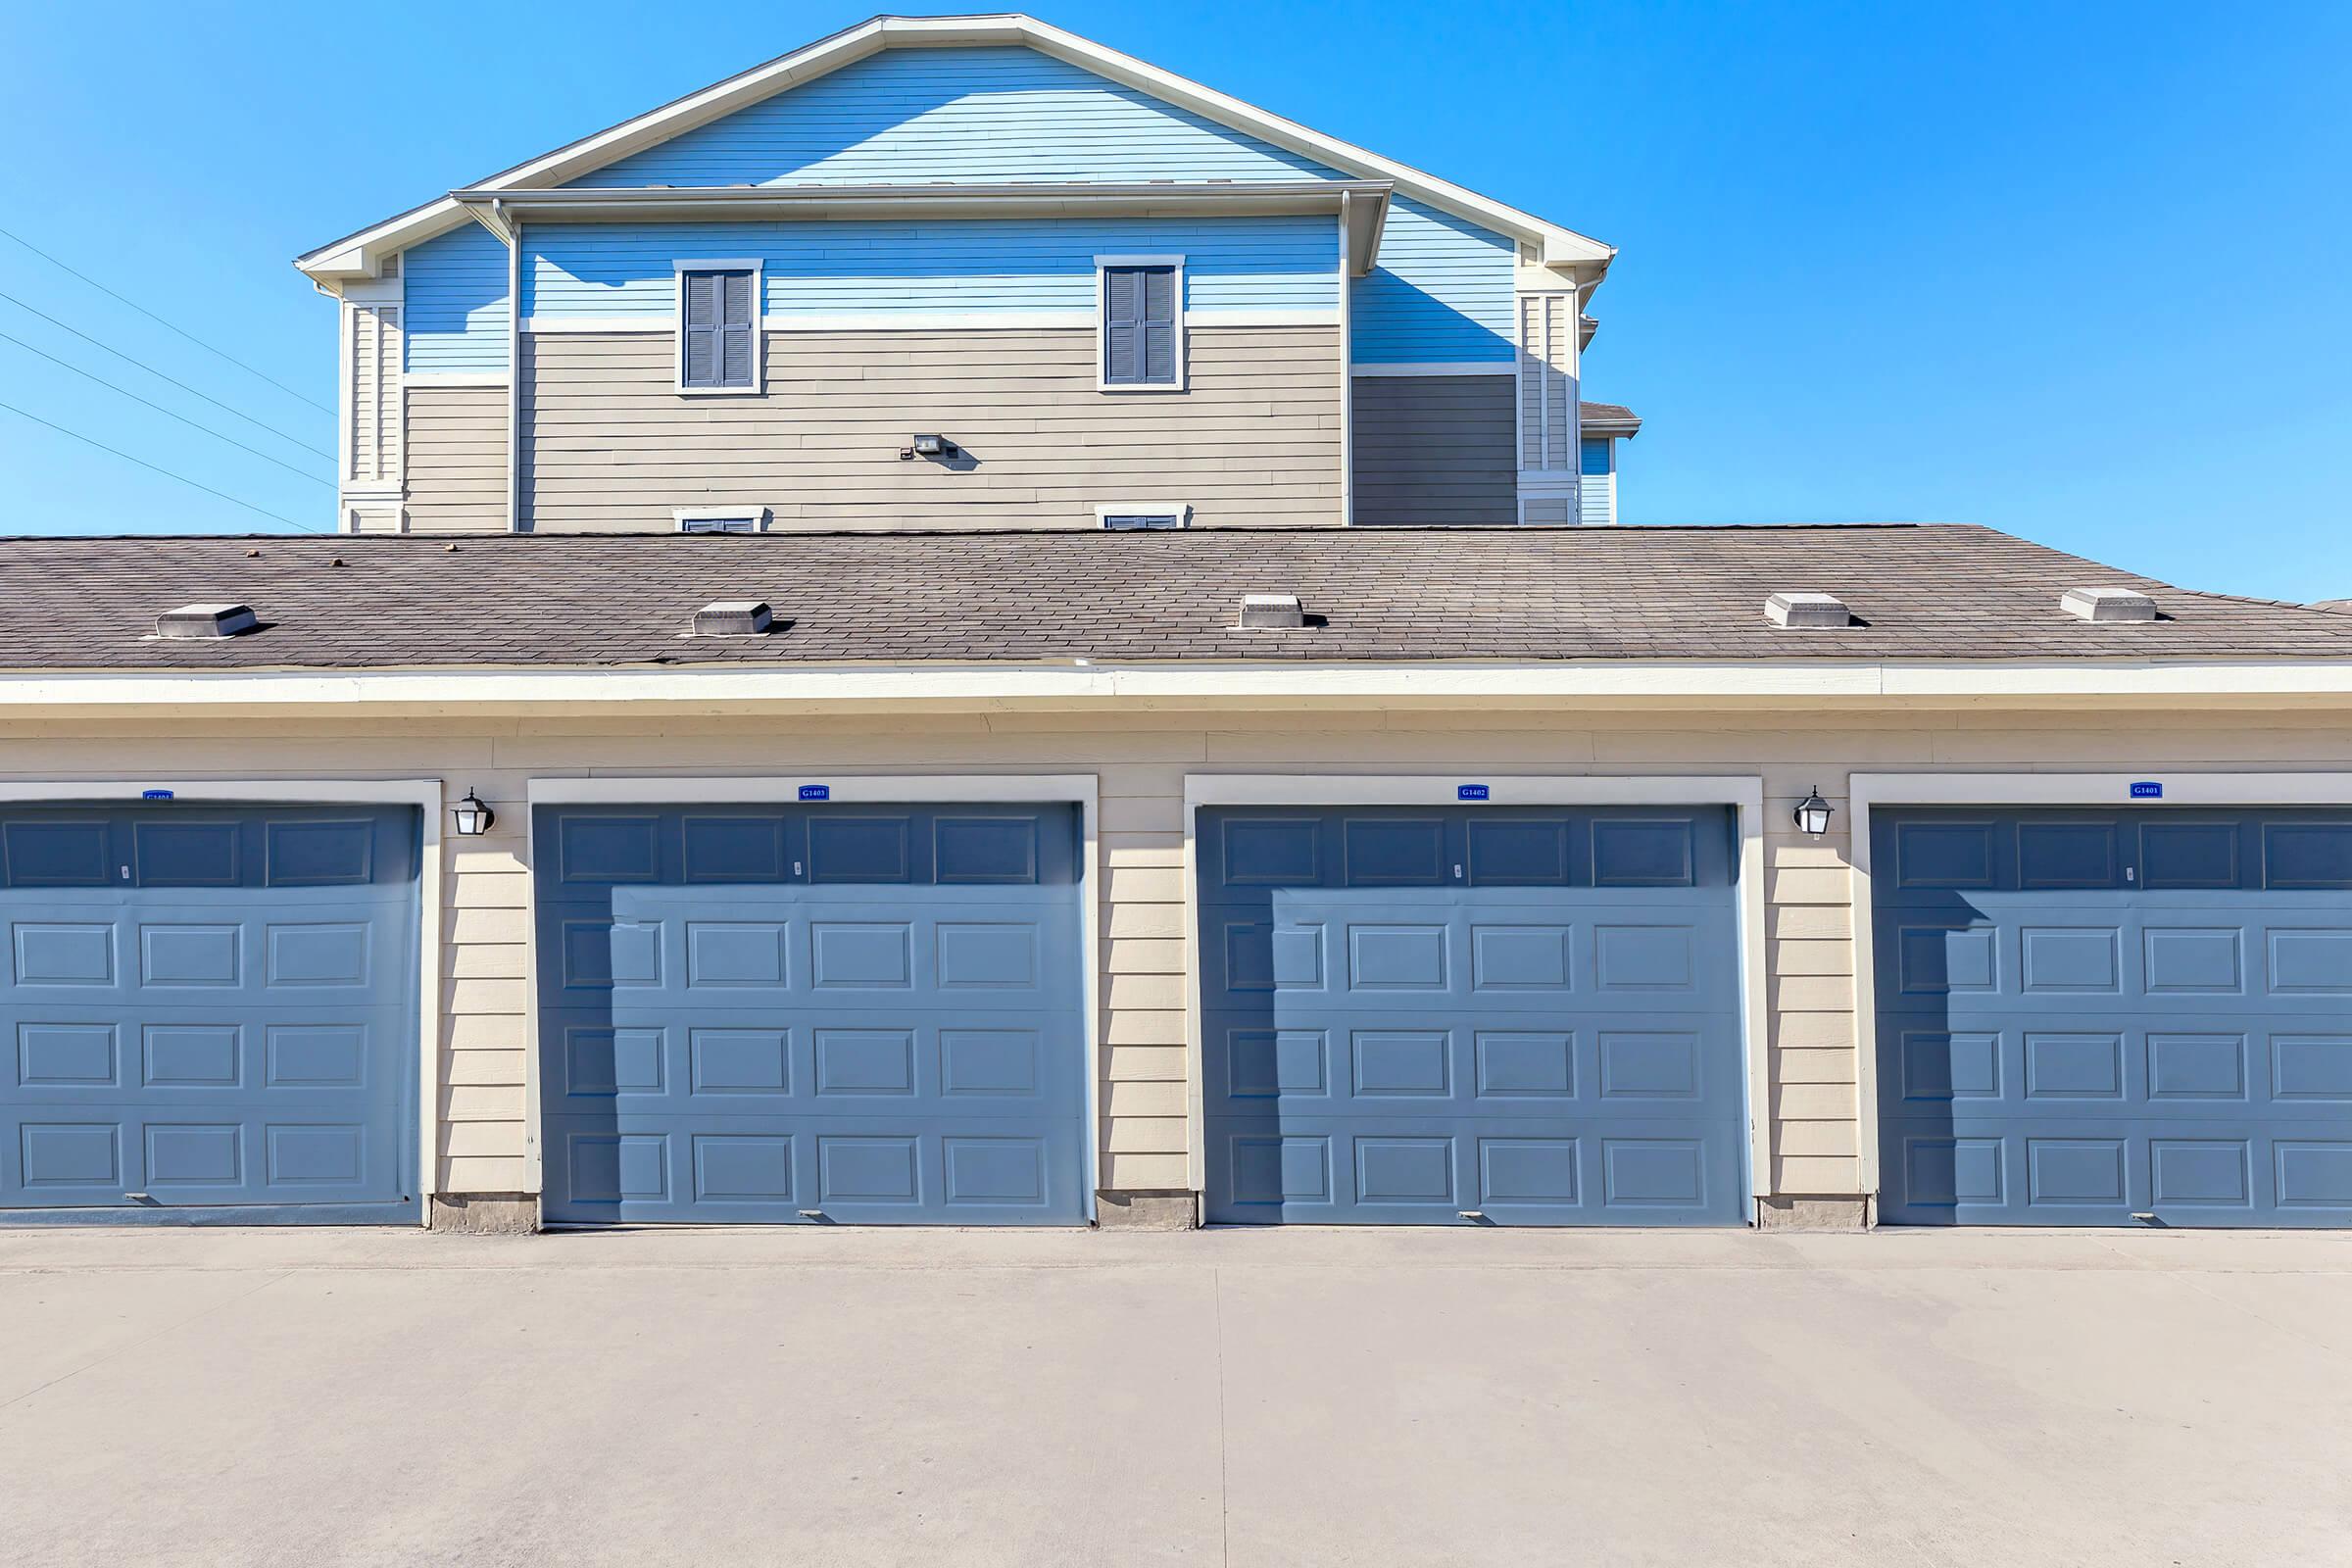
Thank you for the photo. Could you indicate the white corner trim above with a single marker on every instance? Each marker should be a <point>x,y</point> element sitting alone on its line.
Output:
<point>853,789</point>
<point>1743,792</point>
<point>427,795</point>
<point>682,515</point>
<point>2192,786</point>
<point>1181,511</point>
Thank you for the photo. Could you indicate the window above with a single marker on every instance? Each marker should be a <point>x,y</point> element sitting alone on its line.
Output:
<point>722,520</point>
<point>1141,323</point>
<point>1127,516</point>
<point>719,327</point>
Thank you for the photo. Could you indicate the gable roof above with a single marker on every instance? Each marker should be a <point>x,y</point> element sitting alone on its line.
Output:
<point>361,255</point>
<point>1945,593</point>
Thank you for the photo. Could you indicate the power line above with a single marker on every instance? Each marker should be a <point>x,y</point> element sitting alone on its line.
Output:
<point>152,370</point>
<point>159,320</point>
<point>165,473</point>
<point>166,412</point>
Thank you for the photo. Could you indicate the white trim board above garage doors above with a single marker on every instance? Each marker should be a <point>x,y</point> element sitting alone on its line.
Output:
<point>2187,787</point>
<point>1079,789</point>
<point>425,794</point>
<point>1743,792</point>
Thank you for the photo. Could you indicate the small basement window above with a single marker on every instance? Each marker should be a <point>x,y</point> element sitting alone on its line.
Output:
<point>722,520</point>
<point>719,327</point>
<point>1129,515</point>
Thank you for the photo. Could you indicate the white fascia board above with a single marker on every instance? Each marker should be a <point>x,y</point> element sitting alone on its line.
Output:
<point>1241,685</point>
<point>358,254</point>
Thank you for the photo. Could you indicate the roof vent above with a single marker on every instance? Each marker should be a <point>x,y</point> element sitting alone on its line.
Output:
<point>1807,611</point>
<point>732,617</point>
<point>195,622</point>
<point>2103,604</point>
<point>1270,612</point>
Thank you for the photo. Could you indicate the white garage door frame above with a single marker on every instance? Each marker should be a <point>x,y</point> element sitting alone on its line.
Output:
<point>1743,791</point>
<point>1082,790</point>
<point>2181,788</point>
<point>425,794</point>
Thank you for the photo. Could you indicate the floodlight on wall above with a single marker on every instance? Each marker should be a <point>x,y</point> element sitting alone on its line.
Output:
<point>1812,814</point>
<point>474,815</point>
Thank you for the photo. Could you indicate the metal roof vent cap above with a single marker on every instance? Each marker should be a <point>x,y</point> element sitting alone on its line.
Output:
<point>1807,611</point>
<point>1271,612</point>
<point>732,617</point>
<point>2101,606</point>
<point>198,622</point>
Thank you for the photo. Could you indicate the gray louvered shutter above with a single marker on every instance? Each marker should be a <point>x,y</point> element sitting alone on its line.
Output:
<point>738,321</point>
<point>1159,325</point>
<point>1122,325</point>
<point>701,359</point>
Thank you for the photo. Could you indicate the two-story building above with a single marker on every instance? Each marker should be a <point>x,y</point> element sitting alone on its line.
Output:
<point>956,273</point>
<point>849,693</point>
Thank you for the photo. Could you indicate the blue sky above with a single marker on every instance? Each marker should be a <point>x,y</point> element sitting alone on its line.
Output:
<point>2076,272</point>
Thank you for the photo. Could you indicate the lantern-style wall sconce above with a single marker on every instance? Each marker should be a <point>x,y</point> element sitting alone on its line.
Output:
<point>474,816</point>
<point>1812,814</point>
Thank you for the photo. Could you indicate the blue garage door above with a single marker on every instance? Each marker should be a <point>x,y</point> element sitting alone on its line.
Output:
<point>211,1014</point>
<point>1532,1014</point>
<point>859,1012</point>
<point>2088,1016</point>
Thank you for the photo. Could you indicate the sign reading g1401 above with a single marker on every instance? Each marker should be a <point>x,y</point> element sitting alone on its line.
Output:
<point>2147,790</point>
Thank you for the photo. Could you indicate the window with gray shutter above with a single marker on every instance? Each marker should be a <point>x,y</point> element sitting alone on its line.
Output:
<point>722,325</point>
<point>1138,326</point>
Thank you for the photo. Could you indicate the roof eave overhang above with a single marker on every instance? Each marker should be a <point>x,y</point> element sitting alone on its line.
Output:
<point>1611,427</point>
<point>361,255</point>
<point>1363,201</point>
<point>1625,684</point>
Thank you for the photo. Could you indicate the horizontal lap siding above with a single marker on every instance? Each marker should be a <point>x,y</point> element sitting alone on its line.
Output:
<point>1442,294</point>
<point>1433,448</point>
<point>628,271</point>
<point>1254,440</point>
<point>956,114</point>
<point>1139,882</point>
<point>457,481</point>
<point>456,290</point>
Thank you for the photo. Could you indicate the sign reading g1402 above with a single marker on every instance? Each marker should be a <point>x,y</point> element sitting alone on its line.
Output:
<point>1469,792</point>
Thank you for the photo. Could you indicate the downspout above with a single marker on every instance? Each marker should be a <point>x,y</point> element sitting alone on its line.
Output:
<point>514,517</point>
<point>1346,379</point>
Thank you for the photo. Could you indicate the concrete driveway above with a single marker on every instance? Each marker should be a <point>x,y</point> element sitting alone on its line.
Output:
<point>868,1396</point>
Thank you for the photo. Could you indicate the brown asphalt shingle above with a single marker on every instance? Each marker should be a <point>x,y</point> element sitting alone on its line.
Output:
<point>1926,592</point>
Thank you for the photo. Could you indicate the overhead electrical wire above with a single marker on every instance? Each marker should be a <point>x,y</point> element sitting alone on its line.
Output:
<point>160,322</point>
<point>152,370</point>
<point>153,467</point>
<point>160,409</point>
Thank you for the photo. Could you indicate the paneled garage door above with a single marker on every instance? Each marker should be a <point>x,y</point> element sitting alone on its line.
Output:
<point>211,1013</point>
<point>1532,1014</point>
<point>2084,1016</point>
<point>846,1012</point>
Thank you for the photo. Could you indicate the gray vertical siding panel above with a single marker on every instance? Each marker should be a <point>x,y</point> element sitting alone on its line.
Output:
<point>1435,448</point>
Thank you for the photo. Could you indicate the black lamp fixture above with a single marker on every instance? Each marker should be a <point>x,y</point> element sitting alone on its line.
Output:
<point>926,446</point>
<point>474,815</point>
<point>1812,814</point>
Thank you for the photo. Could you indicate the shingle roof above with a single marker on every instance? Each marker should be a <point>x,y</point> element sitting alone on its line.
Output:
<point>1939,592</point>
<point>1608,417</point>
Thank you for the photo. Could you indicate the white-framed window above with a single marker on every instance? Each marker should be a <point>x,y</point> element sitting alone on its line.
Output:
<point>722,519</point>
<point>1123,517</point>
<point>720,349</point>
<point>1139,323</point>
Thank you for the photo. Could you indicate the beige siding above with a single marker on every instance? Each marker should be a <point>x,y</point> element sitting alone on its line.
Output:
<point>1255,439</point>
<point>1140,761</point>
<point>458,458</point>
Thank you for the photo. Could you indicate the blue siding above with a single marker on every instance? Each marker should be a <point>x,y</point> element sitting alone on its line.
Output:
<point>1231,264</point>
<point>995,114</point>
<point>2088,1016</point>
<point>1442,292</point>
<point>213,1007</point>
<point>750,1011</point>
<point>1531,1012</point>
<point>457,300</point>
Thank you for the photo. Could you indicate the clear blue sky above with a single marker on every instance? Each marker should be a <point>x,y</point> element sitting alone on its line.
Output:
<point>2079,271</point>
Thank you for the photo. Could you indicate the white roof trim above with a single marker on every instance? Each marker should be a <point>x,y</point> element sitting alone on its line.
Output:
<point>359,255</point>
